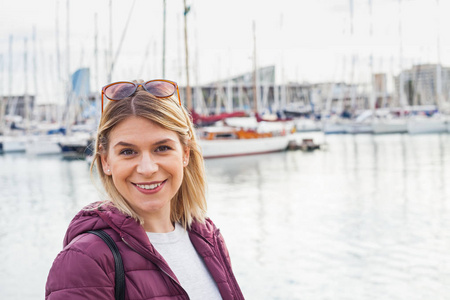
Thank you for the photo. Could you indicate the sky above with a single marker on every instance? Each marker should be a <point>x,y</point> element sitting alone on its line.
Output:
<point>307,41</point>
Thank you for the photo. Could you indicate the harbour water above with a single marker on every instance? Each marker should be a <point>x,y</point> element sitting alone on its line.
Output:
<point>366,218</point>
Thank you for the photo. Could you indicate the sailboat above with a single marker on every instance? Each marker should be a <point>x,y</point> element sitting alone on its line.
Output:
<point>245,135</point>
<point>426,118</point>
<point>12,138</point>
<point>421,122</point>
<point>361,124</point>
<point>79,132</point>
<point>9,143</point>
<point>386,125</point>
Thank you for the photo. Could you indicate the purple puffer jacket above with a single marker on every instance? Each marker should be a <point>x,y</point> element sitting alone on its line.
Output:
<point>84,269</point>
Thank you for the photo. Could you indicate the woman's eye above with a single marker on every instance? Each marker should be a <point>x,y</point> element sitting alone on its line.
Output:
<point>162,148</point>
<point>127,152</point>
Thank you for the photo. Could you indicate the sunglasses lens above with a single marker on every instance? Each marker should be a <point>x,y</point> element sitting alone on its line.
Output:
<point>120,90</point>
<point>160,88</point>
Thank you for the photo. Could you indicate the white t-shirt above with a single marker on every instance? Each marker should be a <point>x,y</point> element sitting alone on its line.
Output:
<point>184,261</point>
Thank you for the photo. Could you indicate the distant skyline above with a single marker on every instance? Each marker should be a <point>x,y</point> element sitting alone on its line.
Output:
<point>307,41</point>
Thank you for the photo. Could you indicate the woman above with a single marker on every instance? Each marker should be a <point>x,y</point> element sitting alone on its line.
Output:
<point>149,163</point>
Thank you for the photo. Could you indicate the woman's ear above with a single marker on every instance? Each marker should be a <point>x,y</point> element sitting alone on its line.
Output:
<point>186,153</point>
<point>104,161</point>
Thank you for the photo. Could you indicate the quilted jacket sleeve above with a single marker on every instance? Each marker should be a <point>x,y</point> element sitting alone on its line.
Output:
<point>223,248</point>
<point>77,275</point>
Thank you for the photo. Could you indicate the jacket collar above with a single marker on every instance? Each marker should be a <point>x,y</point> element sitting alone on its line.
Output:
<point>103,215</point>
<point>206,231</point>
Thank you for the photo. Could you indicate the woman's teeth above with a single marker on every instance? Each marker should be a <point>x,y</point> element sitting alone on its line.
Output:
<point>149,186</point>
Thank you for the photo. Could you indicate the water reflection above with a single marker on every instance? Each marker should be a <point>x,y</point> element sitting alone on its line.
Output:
<point>359,221</point>
<point>39,196</point>
<point>365,219</point>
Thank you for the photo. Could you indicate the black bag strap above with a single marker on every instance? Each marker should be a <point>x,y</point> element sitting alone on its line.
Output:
<point>119,289</point>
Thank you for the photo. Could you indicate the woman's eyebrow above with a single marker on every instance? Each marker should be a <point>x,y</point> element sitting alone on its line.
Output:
<point>164,141</point>
<point>125,144</point>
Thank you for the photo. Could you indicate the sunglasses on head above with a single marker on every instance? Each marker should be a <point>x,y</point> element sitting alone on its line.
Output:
<point>159,88</point>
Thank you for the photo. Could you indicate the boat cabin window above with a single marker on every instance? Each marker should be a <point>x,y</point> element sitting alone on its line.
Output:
<point>225,136</point>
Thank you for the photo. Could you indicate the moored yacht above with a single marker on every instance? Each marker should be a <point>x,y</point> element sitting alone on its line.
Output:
<point>424,124</point>
<point>389,125</point>
<point>9,143</point>
<point>262,137</point>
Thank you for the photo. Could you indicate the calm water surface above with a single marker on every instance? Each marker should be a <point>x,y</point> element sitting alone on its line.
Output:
<point>368,218</point>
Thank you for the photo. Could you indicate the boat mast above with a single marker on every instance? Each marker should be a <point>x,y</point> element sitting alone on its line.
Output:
<point>97,95</point>
<point>372,93</point>
<point>35,81</point>
<point>10,71</point>
<point>276,87</point>
<point>2,97</point>
<point>164,41</point>
<point>199,101</point>
<point>255,72</point>
<point>400,79</point>
<point>58,51</point>
<point>68,109</point>
<point>110,52</point>
<point>59,109</point>
<point>188,87</point>
<point>25,94</point>
<point>438,66</point>
<point>353,57</point>
<point>229,88</point>
<point>96,48</point>
<point>116,56</point>
<point>68,40</point>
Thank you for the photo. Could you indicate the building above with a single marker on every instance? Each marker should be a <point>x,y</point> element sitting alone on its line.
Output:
<point>427,84</point>
<point>16,105</point>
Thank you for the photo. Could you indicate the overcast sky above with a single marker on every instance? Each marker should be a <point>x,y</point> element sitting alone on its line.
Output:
<point>308,41</point>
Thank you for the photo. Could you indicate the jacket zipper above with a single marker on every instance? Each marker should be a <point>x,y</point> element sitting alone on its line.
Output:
<point>173,279</point>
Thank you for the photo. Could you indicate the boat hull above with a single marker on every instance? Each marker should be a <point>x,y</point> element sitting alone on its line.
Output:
<point>356,128</point>
<point>239,147</point>
<point>426,125</point>
<point>391,126</point>
<point>80,144</point>
<point>13,144</point>
<point>43,145</point>
<point>334,128</point>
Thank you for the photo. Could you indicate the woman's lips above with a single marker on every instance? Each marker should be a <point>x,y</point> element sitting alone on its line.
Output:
<point>150,188</point>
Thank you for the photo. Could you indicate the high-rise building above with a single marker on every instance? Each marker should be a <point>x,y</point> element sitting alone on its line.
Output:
<point>427,84</point>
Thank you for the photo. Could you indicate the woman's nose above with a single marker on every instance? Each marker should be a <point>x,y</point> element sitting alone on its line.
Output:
<point>147,164</point>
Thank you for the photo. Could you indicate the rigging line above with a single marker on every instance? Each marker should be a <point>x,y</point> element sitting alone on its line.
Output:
<point>121,39</point>
<point>144,61</point>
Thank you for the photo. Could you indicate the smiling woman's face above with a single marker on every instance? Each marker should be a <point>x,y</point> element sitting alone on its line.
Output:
<point>146,163</point>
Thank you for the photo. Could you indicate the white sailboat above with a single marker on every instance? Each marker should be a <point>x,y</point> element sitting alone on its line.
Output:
<point>424,124</point>
<point>386,123</point>
<point>335,125</point>
<point>224,141</point>
<point>307,125</point>
<point>389,125</point>
<point>242,146</point>
<point>11,140</point>
<point>43,144</point>
<point>361,124</point>
<point>76,144</point>
<point>10,143</point>
<point>245,136</point>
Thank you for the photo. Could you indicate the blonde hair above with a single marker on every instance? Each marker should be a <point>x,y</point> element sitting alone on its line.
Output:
<point>189,202</point>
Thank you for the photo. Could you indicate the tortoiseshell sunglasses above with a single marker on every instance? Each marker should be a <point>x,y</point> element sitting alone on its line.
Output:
<point>159,88</point>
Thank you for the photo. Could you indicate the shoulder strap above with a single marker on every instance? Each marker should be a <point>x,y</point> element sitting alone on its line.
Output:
<point>119,289</point>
